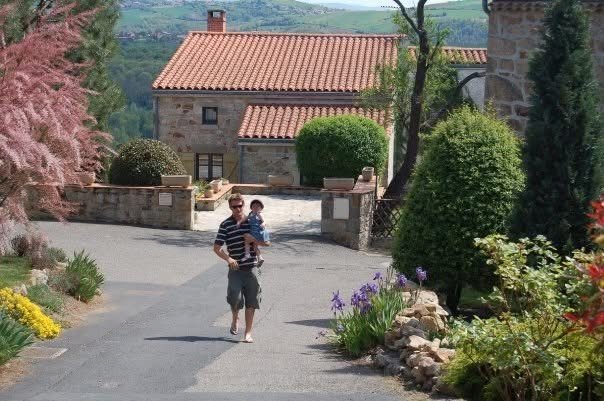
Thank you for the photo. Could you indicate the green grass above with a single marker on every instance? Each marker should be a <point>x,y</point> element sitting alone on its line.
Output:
<point>14,270</point>
<point>465,9</point>
<point>47,298</point>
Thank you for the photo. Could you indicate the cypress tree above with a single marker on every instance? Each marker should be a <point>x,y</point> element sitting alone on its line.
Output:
<point>563,139</point>
<point>98,48</point>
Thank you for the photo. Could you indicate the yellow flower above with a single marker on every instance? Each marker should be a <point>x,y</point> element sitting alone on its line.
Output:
<point>27,313</point>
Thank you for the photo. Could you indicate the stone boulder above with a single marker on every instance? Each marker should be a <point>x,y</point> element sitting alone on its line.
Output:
<point>38,277</point>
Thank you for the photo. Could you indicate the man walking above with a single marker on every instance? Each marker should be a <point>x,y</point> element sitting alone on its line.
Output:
<point>243,274</point>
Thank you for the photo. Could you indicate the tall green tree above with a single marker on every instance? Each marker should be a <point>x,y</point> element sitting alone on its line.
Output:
<point>563,153</point>
<point>415,88</point>
<point>98,48</point>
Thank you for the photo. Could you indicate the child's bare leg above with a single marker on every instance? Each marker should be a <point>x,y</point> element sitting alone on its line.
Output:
<point>248,241</point>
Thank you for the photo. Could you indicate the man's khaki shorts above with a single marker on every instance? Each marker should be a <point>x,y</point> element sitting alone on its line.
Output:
<point>244,287</point>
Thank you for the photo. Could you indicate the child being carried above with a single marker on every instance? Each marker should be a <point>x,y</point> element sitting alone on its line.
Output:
<point>258,235</point>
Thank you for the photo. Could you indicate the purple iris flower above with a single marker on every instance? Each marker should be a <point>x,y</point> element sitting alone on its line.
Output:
<point>422,275</point>
<point>378,276</point>
<point>369,288</point>
<point>365,307</point>
<point>401,280</point>
<point>337,303</point>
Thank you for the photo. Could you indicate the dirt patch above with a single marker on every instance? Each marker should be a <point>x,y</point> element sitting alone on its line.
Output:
<point>12,370</point>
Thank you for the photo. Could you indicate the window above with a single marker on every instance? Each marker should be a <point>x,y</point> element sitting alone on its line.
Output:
<point>209,116</point>
<point>209,166</point>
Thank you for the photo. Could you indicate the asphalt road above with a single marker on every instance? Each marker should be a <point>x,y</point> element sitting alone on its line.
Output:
<point>162,333</point>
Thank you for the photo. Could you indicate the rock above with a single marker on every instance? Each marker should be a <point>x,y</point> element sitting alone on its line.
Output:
<point>400,320</point>
<point>433,369</point>
<point>442,387</point>
<point>405,353</point>
<point>430,323</point>
<point>433,347</point>
<point>21,290</point>
<point>417,375</point>
<point>384,360</point>
<point>425,363</point>
<point>61,266</point>
<point>431,308</point>
<point>427,297</point>
<point>428,384</point>
<point>408,331</point>
<point>38,277</point>
<point>413,322</point>
<point>444,355</point>
<point>413,359</point>
<point>390,337</point>
<point>416,343</point>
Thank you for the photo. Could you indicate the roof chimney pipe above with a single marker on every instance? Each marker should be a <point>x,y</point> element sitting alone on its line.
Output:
<point>216,20</point>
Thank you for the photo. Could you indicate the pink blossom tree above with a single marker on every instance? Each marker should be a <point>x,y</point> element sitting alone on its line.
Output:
<point>45,134</point>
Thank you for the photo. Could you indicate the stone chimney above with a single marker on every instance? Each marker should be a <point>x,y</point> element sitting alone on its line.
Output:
<point>216,20</point>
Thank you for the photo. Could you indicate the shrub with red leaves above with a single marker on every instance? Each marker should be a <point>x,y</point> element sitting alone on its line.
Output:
<point>45,137</point>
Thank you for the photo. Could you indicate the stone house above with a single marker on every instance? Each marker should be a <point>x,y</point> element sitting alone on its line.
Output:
<point>514,33</point>
<point>231,103</point>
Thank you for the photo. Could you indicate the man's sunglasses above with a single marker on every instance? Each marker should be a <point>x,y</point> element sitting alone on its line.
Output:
<point>236,206</point>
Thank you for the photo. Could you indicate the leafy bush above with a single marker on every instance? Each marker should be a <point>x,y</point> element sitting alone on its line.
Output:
<point>83,277</point>
<point>19,244</point>
<point>143,162</point>
<point>24,311</point>
<point>374,306</point>
<point>340,147</point>
<point>464,187</point>
<point>13,338</point>
<point>33,245</point>
<point>44,296</point>
<point>527,352</point>
<point>57,254</point>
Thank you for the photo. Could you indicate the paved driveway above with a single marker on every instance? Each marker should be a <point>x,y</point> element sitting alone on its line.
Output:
<point>163,331</point>
<point>285,214</point>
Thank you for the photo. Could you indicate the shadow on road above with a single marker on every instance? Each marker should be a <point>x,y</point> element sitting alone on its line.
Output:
<point>192,339</point>
<point>322,323</point>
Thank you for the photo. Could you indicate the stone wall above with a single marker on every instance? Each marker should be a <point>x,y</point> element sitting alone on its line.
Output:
<point>354,229</point>
<point>178,122</point>
<point>132,205</point>
<point>514,33</point>
<point>258,161</point>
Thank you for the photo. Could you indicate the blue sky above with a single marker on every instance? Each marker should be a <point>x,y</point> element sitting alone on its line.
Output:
<point>371,3</point>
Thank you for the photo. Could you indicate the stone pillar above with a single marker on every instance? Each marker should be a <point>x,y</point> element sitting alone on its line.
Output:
<point>351,227</point>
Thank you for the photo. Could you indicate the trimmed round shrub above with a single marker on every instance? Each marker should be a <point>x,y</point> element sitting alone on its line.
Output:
<point>464,187</point>
<point>143,162</point>
<point>340,146</point>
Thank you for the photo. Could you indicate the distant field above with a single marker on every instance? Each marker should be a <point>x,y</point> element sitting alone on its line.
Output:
<point>295,17</point>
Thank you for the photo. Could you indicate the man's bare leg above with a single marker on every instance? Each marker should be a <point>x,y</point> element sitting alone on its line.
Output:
<point>235,320</point>
<point>249,322</point>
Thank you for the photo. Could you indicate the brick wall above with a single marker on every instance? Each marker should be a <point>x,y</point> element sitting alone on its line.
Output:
<point>513,36</point>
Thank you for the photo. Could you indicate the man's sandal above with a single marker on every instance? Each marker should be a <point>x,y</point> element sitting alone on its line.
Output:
<point>233,331</point>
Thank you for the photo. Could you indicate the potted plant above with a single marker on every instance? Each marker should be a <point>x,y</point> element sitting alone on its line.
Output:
<point>216,185</point>
<point>367,173</point>
<point>208,193</point>
<point>345,184</point>
<point>224,181</point>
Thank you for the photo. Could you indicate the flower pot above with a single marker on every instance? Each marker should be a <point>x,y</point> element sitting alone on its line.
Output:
<point>86,177</point>
<point>345,184</point>
<point>208,193</point>
<point>216,185</point>
<point>176,180</point>
<point>284,179</point>
<point>367,173</point>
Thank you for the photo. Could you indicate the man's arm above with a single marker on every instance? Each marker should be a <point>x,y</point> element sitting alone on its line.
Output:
<point>224,256</point>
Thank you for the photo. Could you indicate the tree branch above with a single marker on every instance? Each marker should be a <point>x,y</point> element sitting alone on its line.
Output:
<point>443,111</point>
<point>406,16</point>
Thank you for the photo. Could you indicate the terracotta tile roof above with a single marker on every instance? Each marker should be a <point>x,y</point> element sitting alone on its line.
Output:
<point>253,61</point>
<point>461,55</point>
<point>272,121</point>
